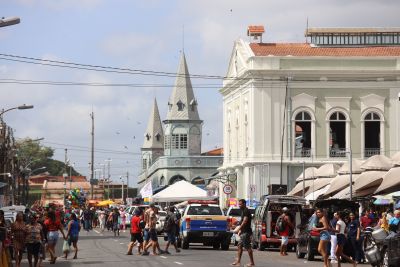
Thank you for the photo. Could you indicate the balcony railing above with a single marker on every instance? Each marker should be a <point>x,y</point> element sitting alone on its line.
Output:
<point>369,152</point>
<point>183,162</point>
<point>304,152</point>
<point>337,152</point>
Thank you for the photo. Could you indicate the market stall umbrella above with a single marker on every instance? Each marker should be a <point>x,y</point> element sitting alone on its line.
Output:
<point>355,167</point>
<point>377,162</point>
<point>105,203</point>
<point>328,170</point>
<point>339,183</point>
<point>318,184</point>
<point>396,159</point>
<point>390,181</point>
<point>345,193</point>
<point>382,201</point>
<point>368,179</point>
<point>309,173</point>
<point>298,189</point>
<point>314,195</point>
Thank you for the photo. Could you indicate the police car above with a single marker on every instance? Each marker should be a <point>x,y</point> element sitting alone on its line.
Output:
<point>204,222</point>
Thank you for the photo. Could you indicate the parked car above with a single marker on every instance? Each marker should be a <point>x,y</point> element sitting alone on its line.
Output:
<point>267,214</point>
<point>160,221</point>
<point>307,241</point>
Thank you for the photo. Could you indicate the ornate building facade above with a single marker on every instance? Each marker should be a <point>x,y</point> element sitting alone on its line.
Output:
<point>173,152</point>
<point>289,104</point>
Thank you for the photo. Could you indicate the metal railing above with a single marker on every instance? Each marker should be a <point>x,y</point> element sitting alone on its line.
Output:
<point>368,152</point>
<point>337,152</point>
<point>304,152</point>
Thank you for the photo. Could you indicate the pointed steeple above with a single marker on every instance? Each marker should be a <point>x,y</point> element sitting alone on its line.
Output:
<point>182,104</point>
<point>154,135</point>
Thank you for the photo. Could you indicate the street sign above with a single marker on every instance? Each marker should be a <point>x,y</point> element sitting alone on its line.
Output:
<point>228,189</point>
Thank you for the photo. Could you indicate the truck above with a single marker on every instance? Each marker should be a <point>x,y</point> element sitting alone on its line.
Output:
<point>204,222</point>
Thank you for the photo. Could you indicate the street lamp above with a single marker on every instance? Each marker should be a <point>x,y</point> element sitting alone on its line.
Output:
<point>122,194</point>
<point>18,107</point>
<point>9,21</point>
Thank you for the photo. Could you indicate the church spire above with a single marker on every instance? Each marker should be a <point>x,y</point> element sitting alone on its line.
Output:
<point>154,136</point>
<point>182,104</point>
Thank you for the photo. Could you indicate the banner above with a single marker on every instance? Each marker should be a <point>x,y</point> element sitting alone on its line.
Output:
<point>147,190</point>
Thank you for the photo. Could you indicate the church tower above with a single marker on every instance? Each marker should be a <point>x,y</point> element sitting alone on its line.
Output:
<point>183,127</point>
<point>153,139</point>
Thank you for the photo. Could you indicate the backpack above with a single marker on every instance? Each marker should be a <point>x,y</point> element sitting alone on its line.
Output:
<point>169,222</point>
<point>280,224</point>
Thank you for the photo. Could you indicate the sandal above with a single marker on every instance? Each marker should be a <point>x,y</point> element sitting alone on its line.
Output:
<point>235,263</point>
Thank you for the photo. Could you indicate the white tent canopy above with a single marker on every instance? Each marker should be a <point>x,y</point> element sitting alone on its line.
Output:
<point>181,191</point>
<point>377,162</point>
<point>309,173</point>
<point>314,195</point>
<point>396,159</point>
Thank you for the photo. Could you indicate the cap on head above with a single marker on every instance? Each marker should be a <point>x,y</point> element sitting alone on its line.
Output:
<point>285,209</point>
<point>396,212</point>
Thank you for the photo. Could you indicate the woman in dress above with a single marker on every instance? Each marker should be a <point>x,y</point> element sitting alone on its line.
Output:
<point>34,240</point>
<point>53,225</point>
<point>5,259</point>
<point>341,240</point>
<point>19,232</point>
<point>324,236</point>
<point>123,219</point>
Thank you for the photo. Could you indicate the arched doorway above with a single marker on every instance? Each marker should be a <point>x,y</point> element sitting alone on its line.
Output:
<point>176,178</point>
<point>200,182</point>
<point>372,134</point>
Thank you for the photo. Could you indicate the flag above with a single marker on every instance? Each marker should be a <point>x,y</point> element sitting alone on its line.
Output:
<point>147,190</point>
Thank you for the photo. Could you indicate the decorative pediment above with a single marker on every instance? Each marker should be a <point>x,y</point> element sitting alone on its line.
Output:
<point>338,102</point>
<point>372,101</point>
<point>303,100</point>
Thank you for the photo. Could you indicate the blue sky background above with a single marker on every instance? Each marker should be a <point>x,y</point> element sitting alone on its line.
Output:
<point>141,35</point>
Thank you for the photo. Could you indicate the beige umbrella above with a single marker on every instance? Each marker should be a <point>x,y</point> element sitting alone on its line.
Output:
<point>298,189</point>
<point>339,183</point>
<point>327,170</point>
<point>310,173</point>
<point>396,159</point>
<point>345,193</point>
<point>355,166</point>
<point>390,181</point>
<point>318,184</point>
<point>368,179</point>
<point>377,162</point>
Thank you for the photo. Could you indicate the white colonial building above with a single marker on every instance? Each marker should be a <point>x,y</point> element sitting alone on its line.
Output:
<point>173,152</point>
<point>286,104</point>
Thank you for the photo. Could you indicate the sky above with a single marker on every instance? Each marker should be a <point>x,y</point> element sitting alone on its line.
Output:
<point>138,35</point>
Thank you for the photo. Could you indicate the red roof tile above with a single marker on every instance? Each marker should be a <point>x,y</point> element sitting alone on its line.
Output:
<point>306,50</point>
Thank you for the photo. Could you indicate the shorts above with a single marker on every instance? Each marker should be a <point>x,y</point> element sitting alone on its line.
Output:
<point>325,236</point>
<point>72,239</point>
<point>284,240</point>
<point>153,235</point>
<point>341,239</point>
<point>245,241</point>
<point>146,235</point>
<point>171,238</point>
<point>136,237</point>
<point>52,237</point>
<point>33,248</point>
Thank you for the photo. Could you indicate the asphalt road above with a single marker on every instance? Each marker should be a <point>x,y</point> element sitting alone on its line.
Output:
<point>106,250</point>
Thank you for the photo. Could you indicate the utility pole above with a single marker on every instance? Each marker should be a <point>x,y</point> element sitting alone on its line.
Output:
<point>108,176</point>
<point>122,191</point>
<point>65,174</point>
<point>92,157</point>
<point>127,184</point>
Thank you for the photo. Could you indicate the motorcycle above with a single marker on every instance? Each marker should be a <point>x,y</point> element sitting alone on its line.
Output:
<point>374,249</point>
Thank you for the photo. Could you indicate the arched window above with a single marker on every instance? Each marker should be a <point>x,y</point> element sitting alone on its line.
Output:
<point>337,134</point>
<point>303,134</point>
<point>372,134</point>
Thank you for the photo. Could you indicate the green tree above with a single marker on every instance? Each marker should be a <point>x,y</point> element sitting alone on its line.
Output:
<point>32,156</point>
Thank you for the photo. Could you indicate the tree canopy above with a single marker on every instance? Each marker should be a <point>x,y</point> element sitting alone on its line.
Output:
<point>32,157</point>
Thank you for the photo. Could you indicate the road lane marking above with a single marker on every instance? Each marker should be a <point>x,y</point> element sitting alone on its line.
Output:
<point>96,231</point>
<point>179,263</point>
<point>121,243</point>
<point>163,257</point>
